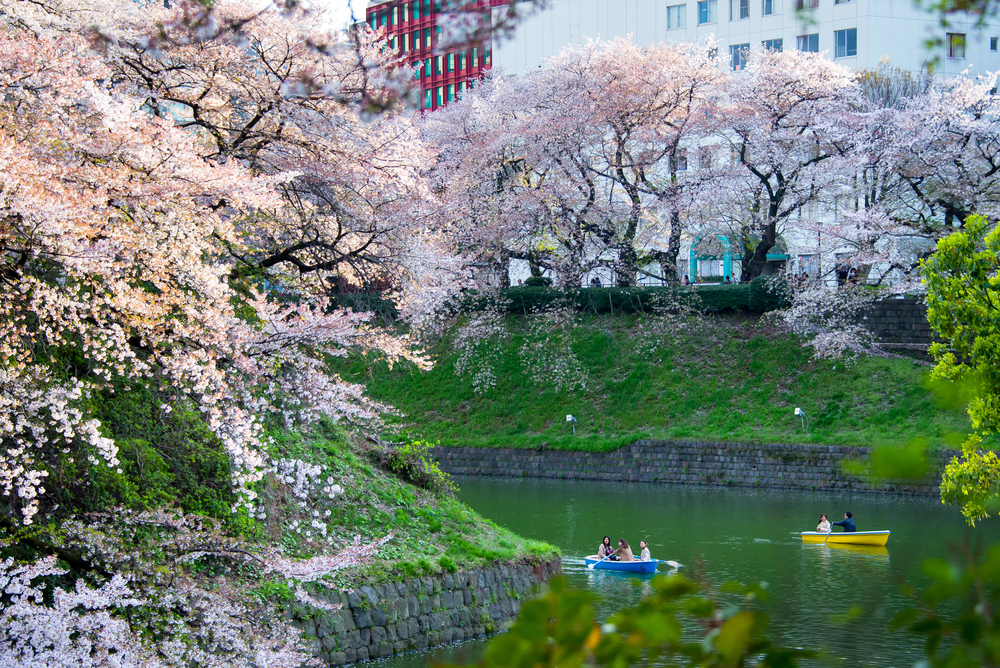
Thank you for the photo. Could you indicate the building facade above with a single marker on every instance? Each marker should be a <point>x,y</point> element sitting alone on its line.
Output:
<point>411,28</point>
<point>857,33</point>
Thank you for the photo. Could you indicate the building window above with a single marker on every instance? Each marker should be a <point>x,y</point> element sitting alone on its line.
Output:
<point>461,60</point>
<point>439,94</point>
<point>415,10</point>
<point>845,43</point>
<point>406,42</point>
<point>416,71</point>
<point>416,39</point>
<point>427,99</point>
<point>841,2</point>
<point>679,162</point>
<point>451,92</point>
<point>808,43</point>
<point>487,57</point>
<point>676,16</point>
<point>451,62</point>
<point>802,5</point>
<point>427,67</point>
<point>956,45</point>
<point>705,158</point>
<point>406,12</point>
<point>474,61</point>
<point>738,54</point>
<point>708,11</point>
<point>771,7</point>
<point>739,9</point>
<point>772,44</point>
<point>437,65</point>
<point>427,38</point>
<point>993,43</point>
<point>395,16</point>
<point>461,88</point>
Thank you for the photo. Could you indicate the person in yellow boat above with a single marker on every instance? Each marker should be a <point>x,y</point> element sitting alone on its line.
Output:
<point>644,555</point>
<point>847,523</point>
<point>824,525</point>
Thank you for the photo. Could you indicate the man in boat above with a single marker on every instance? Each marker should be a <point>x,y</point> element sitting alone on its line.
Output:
<point>847,523</point>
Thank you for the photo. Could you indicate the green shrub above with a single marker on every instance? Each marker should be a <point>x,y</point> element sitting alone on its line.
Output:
<point>368,302</point>
<point>411,463</point>
<point>538,282</point>
<point>769,293</point>
<point>447,563</point>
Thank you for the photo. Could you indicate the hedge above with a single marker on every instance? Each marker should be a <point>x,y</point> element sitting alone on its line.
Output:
<point>762,295</point>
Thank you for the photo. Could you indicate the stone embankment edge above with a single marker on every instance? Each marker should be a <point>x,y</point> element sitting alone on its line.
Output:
<point>380,620</point>
<point>775,466</point>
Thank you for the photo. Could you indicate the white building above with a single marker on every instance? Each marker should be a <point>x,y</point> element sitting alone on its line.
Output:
<point>858,33</point>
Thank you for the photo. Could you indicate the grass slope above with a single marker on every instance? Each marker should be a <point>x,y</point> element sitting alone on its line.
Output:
<point>705,378</point>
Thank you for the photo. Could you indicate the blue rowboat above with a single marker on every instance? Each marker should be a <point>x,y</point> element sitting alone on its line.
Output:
<point>625,566</point>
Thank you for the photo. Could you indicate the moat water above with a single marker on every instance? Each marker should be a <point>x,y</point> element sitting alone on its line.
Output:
<point>742,535</point>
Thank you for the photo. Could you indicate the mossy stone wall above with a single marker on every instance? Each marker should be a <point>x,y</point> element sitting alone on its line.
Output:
<point>694,463</point>
<point>380,620</point>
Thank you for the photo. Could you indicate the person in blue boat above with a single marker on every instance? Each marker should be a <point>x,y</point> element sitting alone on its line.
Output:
<point>624,551</point>
<point>644,555</point>
<point>605,549</point>
<point>847,522</point>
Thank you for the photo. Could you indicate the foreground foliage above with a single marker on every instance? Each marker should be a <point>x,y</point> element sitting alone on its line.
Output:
<point>681,623</point>
<point>962,306</point>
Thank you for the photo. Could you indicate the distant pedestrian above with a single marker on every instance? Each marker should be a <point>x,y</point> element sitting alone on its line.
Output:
<point>847,522</point>
<point>686,281</point>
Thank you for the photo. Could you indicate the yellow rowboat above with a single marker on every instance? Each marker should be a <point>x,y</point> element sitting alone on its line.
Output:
<point>847,537</point>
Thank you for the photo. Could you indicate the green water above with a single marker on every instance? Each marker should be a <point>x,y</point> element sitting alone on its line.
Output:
<point>737,534</point>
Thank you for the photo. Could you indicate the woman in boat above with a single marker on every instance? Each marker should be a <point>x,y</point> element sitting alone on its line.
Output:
<point>644,555</point>
<point>605,549</point>
<point>624,551</point>
<point>824,525</point>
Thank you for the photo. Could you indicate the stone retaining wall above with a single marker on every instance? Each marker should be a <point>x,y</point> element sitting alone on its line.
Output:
<point>696,463</point>
<point>377,621</point>
<point>899,321</point>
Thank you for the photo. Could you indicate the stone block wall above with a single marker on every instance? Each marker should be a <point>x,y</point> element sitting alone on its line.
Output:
<point>380,620</point>
<point>899,321</point>
<point>694,463</point>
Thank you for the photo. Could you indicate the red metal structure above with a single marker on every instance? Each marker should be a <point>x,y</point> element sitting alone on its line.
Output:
<point>411,28</point>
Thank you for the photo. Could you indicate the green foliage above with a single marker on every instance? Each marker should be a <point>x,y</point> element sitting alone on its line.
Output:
<point>963,293</point>
<point>561,629</point>
<point>166,459</point>
<point>412,463</point>
<point>972,483</point>
<point>769,293</point>
<point>724,378</point>
<point>958,614</point>
<point>368,302</point>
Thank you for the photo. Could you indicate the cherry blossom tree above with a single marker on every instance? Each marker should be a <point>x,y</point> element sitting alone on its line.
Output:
<point>788,122</point>
<point>585,157</point>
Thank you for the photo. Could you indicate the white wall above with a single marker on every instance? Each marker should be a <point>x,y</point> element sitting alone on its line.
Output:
<point>893,29</point>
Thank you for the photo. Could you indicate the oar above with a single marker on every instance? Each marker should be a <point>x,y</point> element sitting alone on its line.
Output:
<point>591,566</point>
<point>828,535</point>
<point>672,564</point>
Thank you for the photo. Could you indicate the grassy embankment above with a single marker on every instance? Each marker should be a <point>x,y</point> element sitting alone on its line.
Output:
<point>710,378</point>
